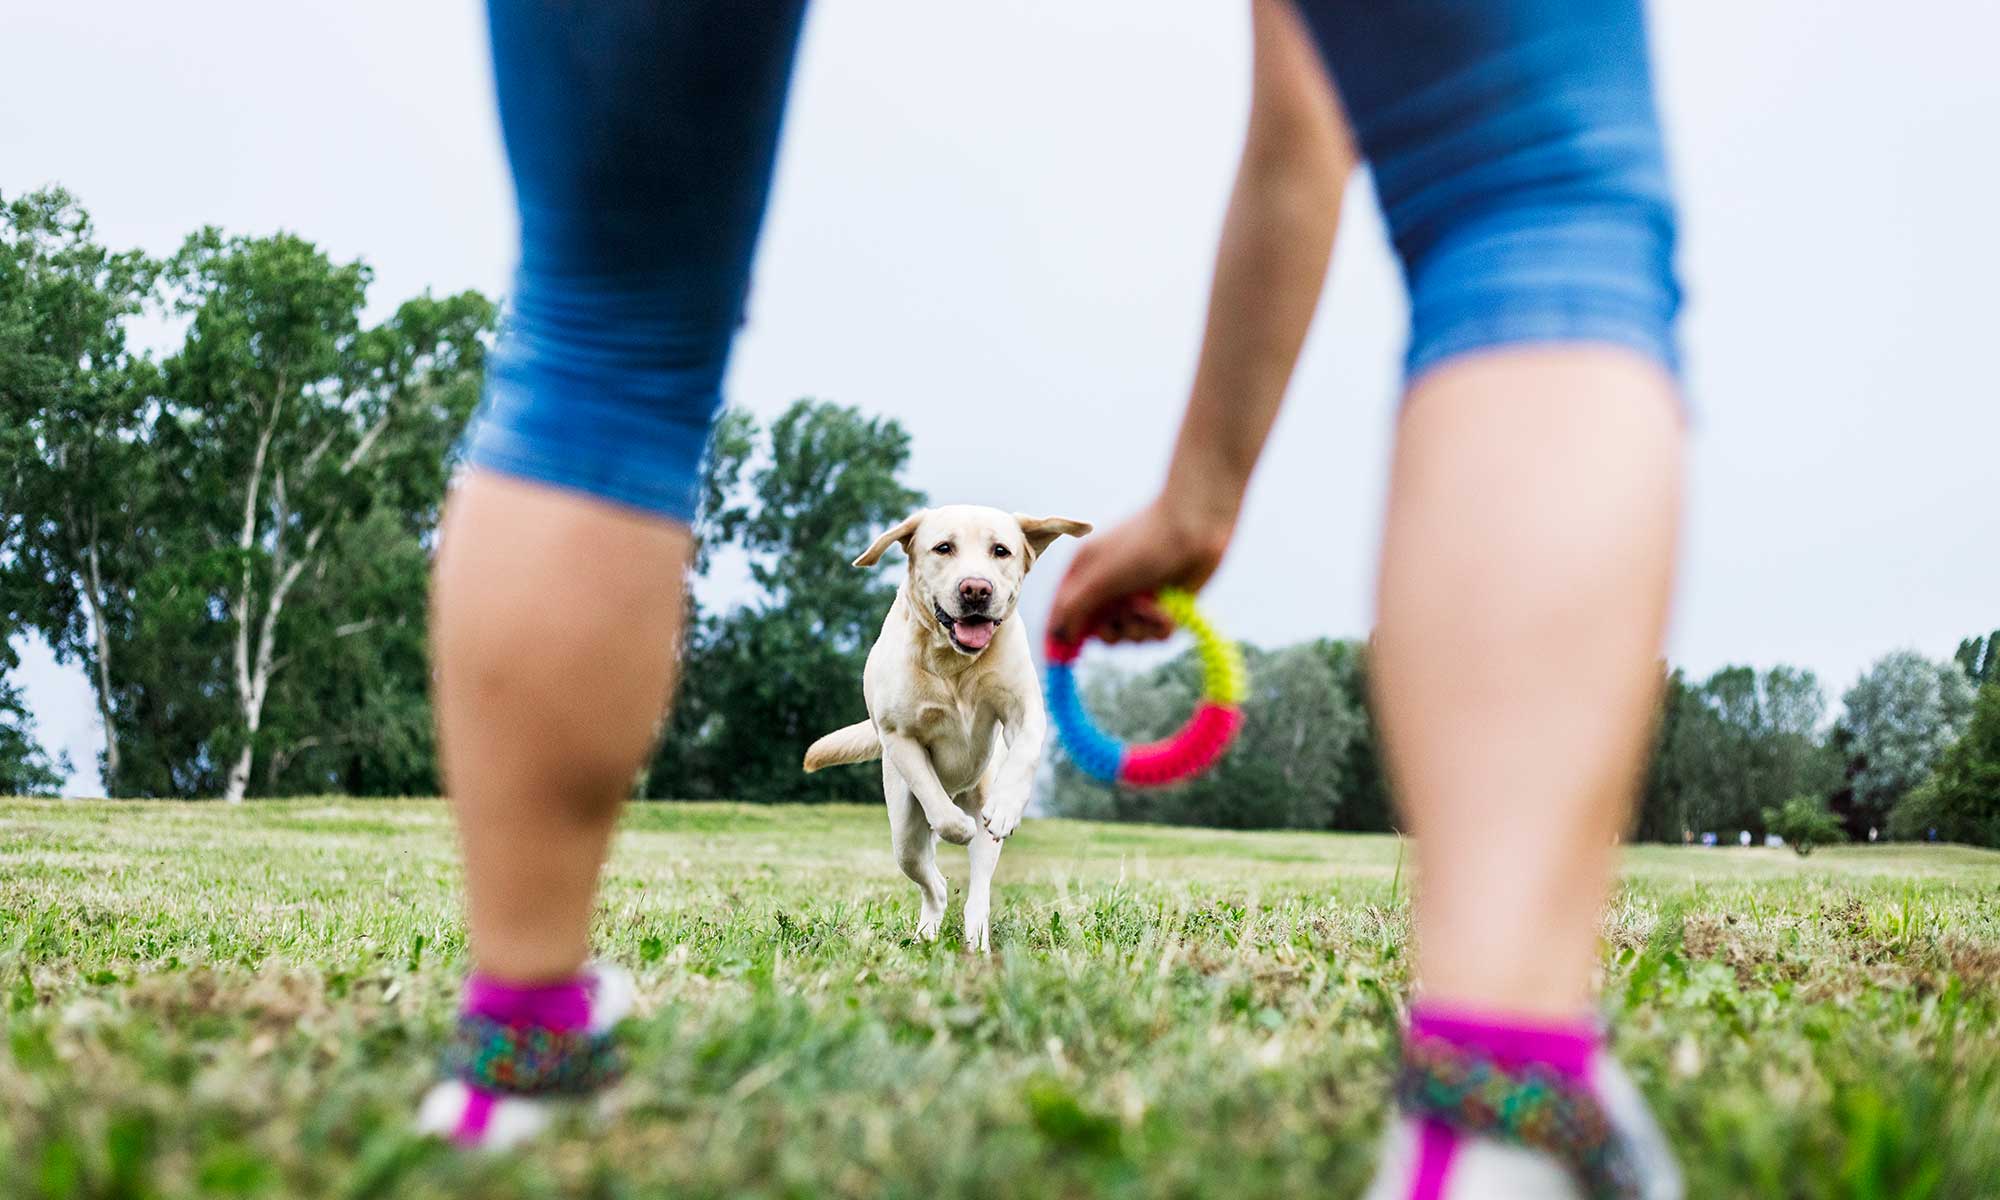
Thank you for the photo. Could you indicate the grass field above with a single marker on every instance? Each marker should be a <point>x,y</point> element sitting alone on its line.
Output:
<point>200,1001</point>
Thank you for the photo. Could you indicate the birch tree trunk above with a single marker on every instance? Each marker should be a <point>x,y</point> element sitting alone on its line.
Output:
<point>100,636</point>
<point>249,704</point>
<point>256,655</point>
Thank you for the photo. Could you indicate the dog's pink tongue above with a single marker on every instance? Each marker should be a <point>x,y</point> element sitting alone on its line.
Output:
<point>974,635</point>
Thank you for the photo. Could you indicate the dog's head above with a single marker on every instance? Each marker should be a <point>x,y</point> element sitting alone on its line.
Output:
<point>967,564</point>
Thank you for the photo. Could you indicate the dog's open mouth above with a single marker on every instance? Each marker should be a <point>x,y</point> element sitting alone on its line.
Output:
<point>970,634</point>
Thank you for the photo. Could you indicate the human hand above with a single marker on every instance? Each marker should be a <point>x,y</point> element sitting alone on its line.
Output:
<point>1111,581</point>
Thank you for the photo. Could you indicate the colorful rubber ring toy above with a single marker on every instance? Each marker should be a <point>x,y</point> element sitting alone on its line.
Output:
<point>1194,748</point>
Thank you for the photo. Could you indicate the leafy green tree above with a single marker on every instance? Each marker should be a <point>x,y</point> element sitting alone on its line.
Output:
<point>77,471</point>
<point>1366,805</point>
<point>351,712</point>
<point>231,543</point>
<point>1662,813</point>
<point>1917,817</point>
<point>1961,802</point>
<point>286,424</point>
<point>1289,768</point>
<point>761,679</point>
<point>1804,823</point>
<point>26,769</point>
<point>1792,756</point>
<point>1901,715</point>
<point>1979,658</point>
<point>1732,746</point>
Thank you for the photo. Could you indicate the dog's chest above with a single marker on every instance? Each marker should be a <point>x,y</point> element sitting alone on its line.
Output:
<point>958,732</point>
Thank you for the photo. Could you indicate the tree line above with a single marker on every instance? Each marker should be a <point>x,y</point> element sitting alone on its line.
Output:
<point>1914,755</point>
<point>231,539</point>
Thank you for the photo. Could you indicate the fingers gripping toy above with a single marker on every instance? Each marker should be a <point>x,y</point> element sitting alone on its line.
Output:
<point>1194,748</point>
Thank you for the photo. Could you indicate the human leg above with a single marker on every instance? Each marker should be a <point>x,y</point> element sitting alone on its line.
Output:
<point>1528,555</point>
<point>641,137</point>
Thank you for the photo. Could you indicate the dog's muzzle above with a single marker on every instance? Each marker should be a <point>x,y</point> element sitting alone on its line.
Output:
<point>969,634</point>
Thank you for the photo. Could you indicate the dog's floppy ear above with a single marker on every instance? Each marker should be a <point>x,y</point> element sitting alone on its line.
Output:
<point>1040,531</point>
<point>902,531</point>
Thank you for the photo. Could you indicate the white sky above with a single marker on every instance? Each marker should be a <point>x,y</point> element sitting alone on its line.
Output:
<point>995,222</point>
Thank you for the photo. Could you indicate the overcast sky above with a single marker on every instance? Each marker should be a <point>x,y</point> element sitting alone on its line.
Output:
<point>995,222</point>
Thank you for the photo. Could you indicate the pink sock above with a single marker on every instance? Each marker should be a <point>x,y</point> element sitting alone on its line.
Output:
<point>1512,1043</point>
<point>562,1007</point>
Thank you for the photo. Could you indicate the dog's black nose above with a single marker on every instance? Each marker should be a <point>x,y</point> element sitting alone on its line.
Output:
<point>975,592</point>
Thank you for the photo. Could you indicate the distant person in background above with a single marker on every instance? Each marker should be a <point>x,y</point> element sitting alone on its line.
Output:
<point>1526,565</point>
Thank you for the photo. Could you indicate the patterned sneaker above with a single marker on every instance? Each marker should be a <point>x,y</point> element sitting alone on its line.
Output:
<point>519,1052</point>
<point>1502,1111</point>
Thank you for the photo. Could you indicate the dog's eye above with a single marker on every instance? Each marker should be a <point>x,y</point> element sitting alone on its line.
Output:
<point>1002,552</point>
<point>942,548</point>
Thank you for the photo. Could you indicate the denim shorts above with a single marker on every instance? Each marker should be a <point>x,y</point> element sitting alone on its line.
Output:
<point>1515,147</point>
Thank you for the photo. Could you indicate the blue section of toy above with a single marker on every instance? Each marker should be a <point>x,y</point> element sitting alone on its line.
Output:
<point>1094,753</point>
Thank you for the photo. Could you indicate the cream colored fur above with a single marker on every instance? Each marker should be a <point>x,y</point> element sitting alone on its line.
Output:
<point>959,731</point>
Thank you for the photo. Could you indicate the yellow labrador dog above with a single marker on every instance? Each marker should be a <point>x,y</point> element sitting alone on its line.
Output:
<point>949,676</point>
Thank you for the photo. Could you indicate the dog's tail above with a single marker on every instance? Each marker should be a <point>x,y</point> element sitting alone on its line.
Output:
<point>856,743</point>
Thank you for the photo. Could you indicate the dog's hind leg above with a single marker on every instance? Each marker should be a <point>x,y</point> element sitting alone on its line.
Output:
<point>916,850</point>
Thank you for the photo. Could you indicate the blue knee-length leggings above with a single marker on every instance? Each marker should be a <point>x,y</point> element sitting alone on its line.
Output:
<point>1514,143</point>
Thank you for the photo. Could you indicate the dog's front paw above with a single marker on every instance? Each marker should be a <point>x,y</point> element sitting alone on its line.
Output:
<point>958,829</point>
<point>1003,820</point>
<point>978,933</point>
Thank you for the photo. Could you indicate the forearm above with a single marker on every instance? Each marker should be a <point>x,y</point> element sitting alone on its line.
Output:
<point>1276,241</point>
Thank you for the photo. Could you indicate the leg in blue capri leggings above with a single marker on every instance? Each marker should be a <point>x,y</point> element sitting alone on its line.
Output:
<point>1518,159</point>
<point>641,135</point>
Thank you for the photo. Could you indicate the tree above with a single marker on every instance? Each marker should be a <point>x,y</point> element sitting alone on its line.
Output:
<point>285,425</point>
<point>1901,715</point>
<point>1732,746</point>
<point>1979,657</point>
<point>763,678</point>
<point>76,468</point>
<point>1366,805</point>
<point>1961,802</point>
<point>351,711</point>
<point>1288,769</point>
<point>1916,817</point>
<point>187,532</point>
<point>1793,758</point>
<point>1662,814</point>
<point>25,768</point>
<point>1804,822</point>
